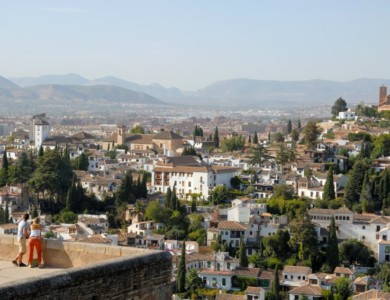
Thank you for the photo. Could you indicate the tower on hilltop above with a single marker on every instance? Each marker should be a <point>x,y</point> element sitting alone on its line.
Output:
<point>382,94</point>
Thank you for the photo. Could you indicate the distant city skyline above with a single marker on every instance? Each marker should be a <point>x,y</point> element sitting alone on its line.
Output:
<point>190,44</point>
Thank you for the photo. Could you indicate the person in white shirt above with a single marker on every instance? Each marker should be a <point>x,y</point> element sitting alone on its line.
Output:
<point>22,238</point>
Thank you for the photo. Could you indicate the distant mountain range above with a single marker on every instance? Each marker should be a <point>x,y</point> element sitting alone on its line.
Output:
<point>64,90</point>
<point>234,92</point>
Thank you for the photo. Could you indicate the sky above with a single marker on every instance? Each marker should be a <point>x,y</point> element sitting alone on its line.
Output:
<point>190,44</point>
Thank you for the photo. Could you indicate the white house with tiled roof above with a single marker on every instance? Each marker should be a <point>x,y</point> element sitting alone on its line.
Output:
<point>312,292</point>
<point>368,228</point>
<point>189,176</point>
<point>295,276</point>
<point>344,272</point>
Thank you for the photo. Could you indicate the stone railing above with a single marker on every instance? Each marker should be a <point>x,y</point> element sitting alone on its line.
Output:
<point>91,271</point>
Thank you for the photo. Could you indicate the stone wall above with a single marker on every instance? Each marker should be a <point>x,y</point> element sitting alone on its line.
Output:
<point>92,271</point>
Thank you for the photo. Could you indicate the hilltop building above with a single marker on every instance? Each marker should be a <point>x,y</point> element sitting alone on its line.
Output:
<point>39,129</point>
<point>384,99</point>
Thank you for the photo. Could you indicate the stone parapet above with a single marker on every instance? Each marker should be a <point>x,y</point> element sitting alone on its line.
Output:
<point>92,271</point>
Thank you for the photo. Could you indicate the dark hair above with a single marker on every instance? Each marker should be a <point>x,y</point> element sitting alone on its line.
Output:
<point>26,217</point>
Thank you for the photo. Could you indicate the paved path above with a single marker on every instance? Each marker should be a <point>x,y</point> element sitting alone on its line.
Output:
<point>9,272</point>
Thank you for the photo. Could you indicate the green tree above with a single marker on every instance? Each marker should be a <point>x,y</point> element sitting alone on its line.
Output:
<point>339,106</point>
<point>342,287</point>
<point>181,273</point>
<point>189,151</point>
<point>258,155</point>
<point>299,125</point>
<point>4,170</point>
<point>332,249</point>
<point>216,137</point>
<point>68,217</point>
<point>154,211</point>
<point>21,170</point>
<point>255,138</point>
<point>138,129</point>
<point>243,258</point>
<point>275,288</point>
<point>52,177</point>
<point>249,139</point>
<point>234,143</point>
<point>311,133</point>
<point>284,155</point>
<point>366,196</point>
<point>289,126</point>
<point>295,135</point>
<point>329,190</point>
<point>304,235</point>
<point>168,196</point>
<point>193,281</point>
<point>277,137</point>
<point>80,163</point>
<point>126,191</point>
<point>354,251</point>
<point>220,194</point>
<point>355,183</point>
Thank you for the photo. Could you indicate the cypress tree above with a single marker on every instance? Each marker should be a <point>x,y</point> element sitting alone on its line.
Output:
<point>366,196</point>
<point>168,196</point>
<point>255,138</point>
<point>216,137</point>
<point>181,274</point>
<point>269,137</point>
<point>4,170</point>
<point>329,193</point>
<point>332,249</point>
<point>174,201</point>
<point>40,151</point>
<point>249,139</point>
<point>354,184</point>
<point>299,126</point>
<point>289,127</point>
<point>6,212</point>
<point>275,288</point>
<point>243,258</point>
<point>193,205</point>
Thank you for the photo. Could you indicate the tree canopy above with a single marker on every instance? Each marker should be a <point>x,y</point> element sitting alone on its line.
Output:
<point>338,106</point>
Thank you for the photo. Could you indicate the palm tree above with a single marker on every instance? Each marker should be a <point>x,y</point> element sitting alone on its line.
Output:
<point>137,209</point>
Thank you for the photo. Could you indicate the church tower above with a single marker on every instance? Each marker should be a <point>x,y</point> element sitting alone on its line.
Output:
<point>121,134</point>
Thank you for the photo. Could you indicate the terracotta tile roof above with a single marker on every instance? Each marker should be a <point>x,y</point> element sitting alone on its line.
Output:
<point>308,290</point>
<point>212,272</point>
<point>243,271</point>
<point>167,135</point>
<point>140,139</point>
<point>266,275</point>
<point>253,290</point>
<point>381,220</point>
<point>229,297</point>
<point>297,269</point>
<point>342,270</point>
<point>231,225</point>
<point>372,294</point>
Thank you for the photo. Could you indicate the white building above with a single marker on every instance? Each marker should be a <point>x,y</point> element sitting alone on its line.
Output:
<point>190,177</point>
<point>40,129</point>
<point>347,115</point>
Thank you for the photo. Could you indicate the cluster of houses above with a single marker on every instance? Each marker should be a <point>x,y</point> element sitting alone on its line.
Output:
<point>160,154</point>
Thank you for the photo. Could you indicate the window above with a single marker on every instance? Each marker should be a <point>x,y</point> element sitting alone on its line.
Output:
<point>378,228</point>
<point>208,264</point>
<point>218,267</point>
<point>363,227</point>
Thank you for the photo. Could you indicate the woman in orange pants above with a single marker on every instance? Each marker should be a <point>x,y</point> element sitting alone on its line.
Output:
<point>35,242</point>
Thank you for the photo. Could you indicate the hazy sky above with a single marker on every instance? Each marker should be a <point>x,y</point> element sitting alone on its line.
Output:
<point>192,43</point>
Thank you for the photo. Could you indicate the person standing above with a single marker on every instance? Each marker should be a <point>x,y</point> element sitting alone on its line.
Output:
<point>22,238</point>
<point>35,242</point>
